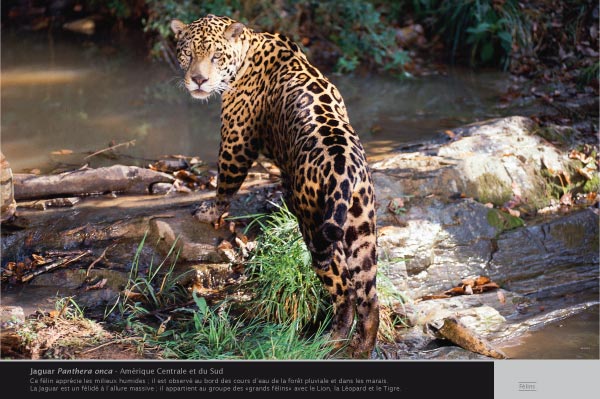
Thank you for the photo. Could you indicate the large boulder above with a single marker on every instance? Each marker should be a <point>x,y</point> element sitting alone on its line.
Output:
<point>442,218</point>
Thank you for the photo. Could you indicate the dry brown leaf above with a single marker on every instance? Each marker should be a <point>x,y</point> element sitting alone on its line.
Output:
<point>224,245</point>
<point>513,212</point>
<point>482,280</point>
<point>450,134</point>
<point>99,285</point>
<point>129,294</point>
<point>186,176</point>
<point>38,259</point>
<point>455,291</point>
<point>181,188</point>
<point>62,152</point>
<point>566,199</point>
<point>489,286</point>
<point>589,171</point>
<point>468,281</point>
<point>574,154</point>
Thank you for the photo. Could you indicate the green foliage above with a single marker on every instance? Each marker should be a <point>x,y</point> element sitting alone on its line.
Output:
<point>203,331</point>
<point>162,12</point>
<point>590,74</point>
<point>215,333</point>
<point>355,27</point>
<point>287,302</point>
<point>389,297</point>
<point>592,185</point>
<point>486,30</point>
<point>68,308</point>
<point>503,221</point>
<point>284,285</point>
<point>150,289</point>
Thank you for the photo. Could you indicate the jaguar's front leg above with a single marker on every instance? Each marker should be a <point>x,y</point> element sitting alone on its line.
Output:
<point>212,212</point>
<point>236,155</point>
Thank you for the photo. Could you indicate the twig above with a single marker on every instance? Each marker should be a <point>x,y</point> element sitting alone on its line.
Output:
<point>116,341</point>
<point>127,143</point>
<point>98,259</point>
<point>53,265</point>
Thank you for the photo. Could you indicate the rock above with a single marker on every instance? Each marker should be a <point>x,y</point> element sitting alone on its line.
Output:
<point>8,206</point>
<point>11,316</point>
<point>192,241</point>
<point>440,244</point>
<point>73,282</point>
<point>548,255</point>
<point>488,161</point>
<point>161,188</point>
<point>495,156</point>
<point>447,231</point>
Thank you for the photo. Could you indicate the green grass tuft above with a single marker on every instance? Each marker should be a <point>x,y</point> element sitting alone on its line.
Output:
<point>284,285</point>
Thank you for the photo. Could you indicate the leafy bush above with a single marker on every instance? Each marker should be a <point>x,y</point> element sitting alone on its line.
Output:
<point>357,28</point>
<point>485,29</point>
<point>354,27</point>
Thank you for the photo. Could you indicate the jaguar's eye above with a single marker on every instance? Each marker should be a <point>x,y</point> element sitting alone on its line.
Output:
<point>216,56</point>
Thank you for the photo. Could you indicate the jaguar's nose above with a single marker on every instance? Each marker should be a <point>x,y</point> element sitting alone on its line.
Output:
<point>199,79</point>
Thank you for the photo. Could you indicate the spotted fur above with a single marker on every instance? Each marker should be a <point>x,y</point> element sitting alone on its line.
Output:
<point>276,103</point>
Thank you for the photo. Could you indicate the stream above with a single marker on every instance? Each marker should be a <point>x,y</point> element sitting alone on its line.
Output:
<point>82,96</point>
<point>65,97</point>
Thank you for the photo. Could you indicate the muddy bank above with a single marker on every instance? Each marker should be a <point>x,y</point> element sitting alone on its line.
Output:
<point>479,203</point>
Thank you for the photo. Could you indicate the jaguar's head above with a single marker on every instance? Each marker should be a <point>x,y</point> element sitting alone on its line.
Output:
<point>210,51</point>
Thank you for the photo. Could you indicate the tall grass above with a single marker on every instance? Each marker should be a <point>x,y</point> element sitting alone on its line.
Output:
<point>156,308</point>
<point>151,289</point>
<point>284,286</point>
<point>286,317</point>
<point>217,333</point>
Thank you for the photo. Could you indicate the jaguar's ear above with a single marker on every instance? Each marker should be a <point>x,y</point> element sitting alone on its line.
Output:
<point>234,31</point>
<point>177,27</point>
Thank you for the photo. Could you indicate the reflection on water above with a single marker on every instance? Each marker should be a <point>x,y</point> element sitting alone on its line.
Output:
<point>575,337</point>
<point>63,94</point>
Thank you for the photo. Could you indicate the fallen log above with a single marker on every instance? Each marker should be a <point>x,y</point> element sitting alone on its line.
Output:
<point>454,331</point>
<point>117,178</point>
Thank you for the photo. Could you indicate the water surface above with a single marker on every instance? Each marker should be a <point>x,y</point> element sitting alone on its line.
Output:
<point>66,93</point>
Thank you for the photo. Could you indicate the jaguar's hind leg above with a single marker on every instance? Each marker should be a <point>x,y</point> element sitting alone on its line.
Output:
<point>360,240</point>
<point>335,278</point>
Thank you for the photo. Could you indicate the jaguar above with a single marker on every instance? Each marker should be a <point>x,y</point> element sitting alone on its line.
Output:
<point>276,103</point>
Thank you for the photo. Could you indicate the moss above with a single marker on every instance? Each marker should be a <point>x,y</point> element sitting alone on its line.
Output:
<point>555,135</point>
<point>491,189</point>
<point>593,185</point>
<point>503,221</point>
